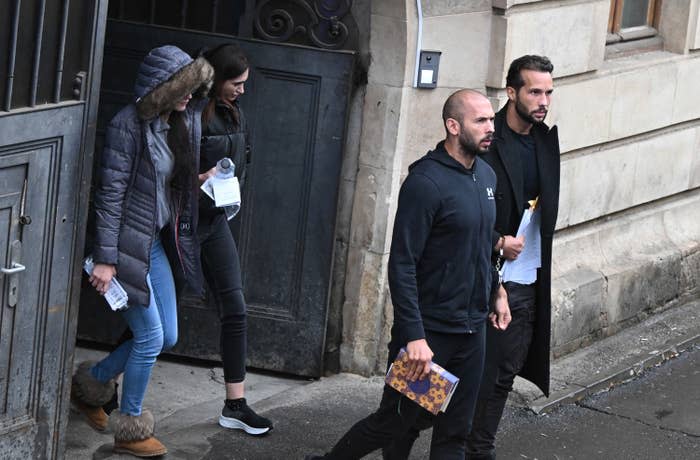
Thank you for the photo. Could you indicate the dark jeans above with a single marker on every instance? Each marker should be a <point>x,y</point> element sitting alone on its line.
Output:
<point>222,272</point>
<point>506,352</point>
<point>461,354</point>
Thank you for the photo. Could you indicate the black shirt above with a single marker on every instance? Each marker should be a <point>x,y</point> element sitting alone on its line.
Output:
<point>524,147</point>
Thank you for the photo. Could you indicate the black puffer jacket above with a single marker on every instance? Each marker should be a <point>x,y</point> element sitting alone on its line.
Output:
<point>125,199</point>
<point>223,137</point>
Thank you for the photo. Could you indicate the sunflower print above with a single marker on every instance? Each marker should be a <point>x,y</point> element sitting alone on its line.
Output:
<point>441,384</point>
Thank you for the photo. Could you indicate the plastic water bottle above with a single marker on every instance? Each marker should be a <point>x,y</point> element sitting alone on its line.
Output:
<point>225,169</point>
<point>115,296</point>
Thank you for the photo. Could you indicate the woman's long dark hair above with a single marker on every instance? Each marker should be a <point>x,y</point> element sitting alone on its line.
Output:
<point>181,148</point>
<point>229,61</point>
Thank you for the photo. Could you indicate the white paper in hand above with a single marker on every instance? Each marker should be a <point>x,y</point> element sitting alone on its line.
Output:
<point>227,192</point>
<point>224,192</point>
<point>207,188</point>
<point>523,270</point>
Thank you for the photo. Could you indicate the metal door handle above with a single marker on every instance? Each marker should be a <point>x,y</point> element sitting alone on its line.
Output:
<point>16,268</point>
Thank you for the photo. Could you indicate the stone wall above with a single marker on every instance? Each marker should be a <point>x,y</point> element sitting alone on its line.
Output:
<point>628,234</point>
<point>362,294</point>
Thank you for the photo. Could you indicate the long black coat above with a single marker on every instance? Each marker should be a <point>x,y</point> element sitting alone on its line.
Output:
<point>510,205</point>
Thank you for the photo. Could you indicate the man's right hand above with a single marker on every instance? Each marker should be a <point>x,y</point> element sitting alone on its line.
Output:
<point>419,357</point>
<point>512,246</point>
<point>500,317</point>
<point>102,275</point>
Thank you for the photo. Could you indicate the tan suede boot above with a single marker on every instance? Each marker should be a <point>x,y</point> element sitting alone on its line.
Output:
<point>89,394</point>
<point>133,434</point>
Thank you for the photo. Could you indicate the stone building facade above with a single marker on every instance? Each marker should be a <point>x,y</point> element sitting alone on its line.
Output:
<point>628,234</point>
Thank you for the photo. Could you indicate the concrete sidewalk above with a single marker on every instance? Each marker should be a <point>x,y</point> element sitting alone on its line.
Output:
<point>310,416</point>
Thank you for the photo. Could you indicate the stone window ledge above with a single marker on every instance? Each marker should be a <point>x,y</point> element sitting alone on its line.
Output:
<point>629,48</point>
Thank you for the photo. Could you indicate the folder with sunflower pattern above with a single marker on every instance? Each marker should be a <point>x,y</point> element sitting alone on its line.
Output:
<point>433,393</point>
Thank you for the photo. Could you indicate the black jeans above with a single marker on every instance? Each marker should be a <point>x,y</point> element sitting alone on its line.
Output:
<point>222,272</point>
<point>461,354</point>
<point>506,352</point>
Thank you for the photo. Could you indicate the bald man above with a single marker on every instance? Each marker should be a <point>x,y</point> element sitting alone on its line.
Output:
<point>440,278</point>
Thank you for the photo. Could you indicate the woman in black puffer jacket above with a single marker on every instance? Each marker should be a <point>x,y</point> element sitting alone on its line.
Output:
<point>145,201</point>
<point>224,134</point>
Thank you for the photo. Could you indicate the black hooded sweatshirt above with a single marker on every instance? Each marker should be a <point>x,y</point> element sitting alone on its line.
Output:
<point>440,270</point>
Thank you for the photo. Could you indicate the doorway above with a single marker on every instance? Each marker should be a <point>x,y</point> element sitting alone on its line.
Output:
<point>296,103</point>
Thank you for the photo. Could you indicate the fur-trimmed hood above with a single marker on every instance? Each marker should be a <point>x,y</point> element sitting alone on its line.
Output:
<point>165,77</point>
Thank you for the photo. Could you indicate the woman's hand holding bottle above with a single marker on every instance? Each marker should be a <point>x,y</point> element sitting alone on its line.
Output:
<point>101,277</point>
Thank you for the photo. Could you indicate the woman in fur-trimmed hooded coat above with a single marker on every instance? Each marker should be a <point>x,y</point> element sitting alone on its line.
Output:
<point>145,200</point>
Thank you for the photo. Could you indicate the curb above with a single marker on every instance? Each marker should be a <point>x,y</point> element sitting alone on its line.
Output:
<point>630,372</point>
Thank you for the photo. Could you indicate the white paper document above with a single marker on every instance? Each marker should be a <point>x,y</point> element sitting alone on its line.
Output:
<point>224,192</point>
<point>523,270</point>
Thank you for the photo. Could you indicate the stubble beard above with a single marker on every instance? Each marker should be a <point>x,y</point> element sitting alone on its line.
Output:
<point>470,148</point>
<point>522,112</point>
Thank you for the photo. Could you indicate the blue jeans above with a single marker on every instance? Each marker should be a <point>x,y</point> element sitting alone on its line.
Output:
<point>155,329</point>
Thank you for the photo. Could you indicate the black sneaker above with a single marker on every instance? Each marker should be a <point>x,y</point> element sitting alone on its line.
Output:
<point>238,416</point>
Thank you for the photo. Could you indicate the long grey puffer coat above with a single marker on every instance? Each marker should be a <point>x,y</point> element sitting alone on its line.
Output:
<point>125,199</point>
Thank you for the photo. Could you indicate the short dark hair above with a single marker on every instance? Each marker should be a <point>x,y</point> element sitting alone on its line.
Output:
<point>454,105</point>
<point>453,108</point>
<point>527,62</point>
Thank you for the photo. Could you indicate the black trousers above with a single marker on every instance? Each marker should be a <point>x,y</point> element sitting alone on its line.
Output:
<point>222,272</point>
<point>506,352</point>
<point>461,354</point>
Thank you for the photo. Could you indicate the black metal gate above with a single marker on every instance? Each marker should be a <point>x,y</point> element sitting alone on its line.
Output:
<point>296,102</point>
<point>47,114</point>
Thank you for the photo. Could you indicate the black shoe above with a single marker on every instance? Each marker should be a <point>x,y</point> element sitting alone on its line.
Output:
<point>314,457</point>
<point>238,416</point>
